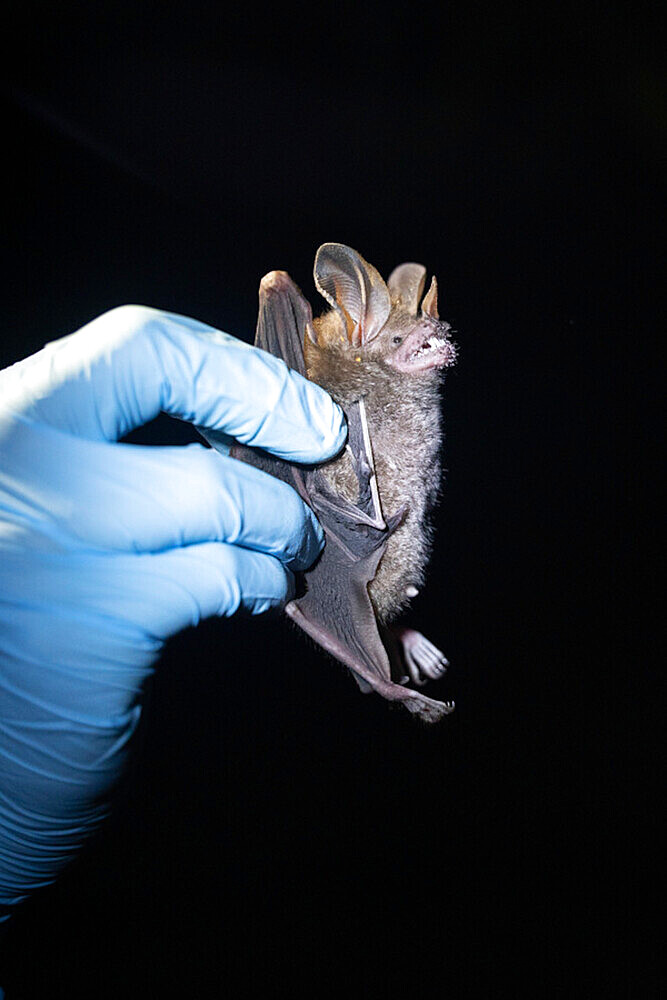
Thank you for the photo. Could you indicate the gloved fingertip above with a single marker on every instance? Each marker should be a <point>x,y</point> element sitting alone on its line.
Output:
<point>328,421</point>
<point>337,435</point>
<point>319,533</point>
<point>290,589</point>
<point>311,543</point>
<point>317,543</point>
<point>317,529</point>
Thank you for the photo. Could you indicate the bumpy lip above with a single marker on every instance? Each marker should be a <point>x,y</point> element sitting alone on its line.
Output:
<point>426,348</point>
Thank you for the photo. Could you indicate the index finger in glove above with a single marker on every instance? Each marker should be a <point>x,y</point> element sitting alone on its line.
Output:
<point>146,499</point>
<point>119,371</point>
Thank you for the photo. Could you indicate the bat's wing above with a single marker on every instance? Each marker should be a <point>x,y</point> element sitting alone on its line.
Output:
<point>283,317</point>
<point>336,609</point>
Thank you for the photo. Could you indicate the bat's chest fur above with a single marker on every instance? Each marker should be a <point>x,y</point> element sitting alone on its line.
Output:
<point>403,414</point>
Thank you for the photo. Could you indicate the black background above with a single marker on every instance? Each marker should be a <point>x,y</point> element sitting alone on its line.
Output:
<point>278,830</point>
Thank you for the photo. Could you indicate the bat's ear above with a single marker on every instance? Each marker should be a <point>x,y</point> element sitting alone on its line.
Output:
<point>354,288</point>
<point>430,303</point>
<point>406,284</point>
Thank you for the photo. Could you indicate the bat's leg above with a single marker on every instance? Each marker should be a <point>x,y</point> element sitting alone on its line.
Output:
<point>423,661</point>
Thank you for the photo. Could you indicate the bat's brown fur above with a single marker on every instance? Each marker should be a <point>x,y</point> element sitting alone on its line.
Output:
<point>375,345</point>
<point>403,411</point>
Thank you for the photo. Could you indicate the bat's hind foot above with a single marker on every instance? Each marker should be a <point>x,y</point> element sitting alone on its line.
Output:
<point>423,661</point>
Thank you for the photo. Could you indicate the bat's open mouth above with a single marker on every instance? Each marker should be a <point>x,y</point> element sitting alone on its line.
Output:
<point>436,345</point>
<point>433,350</point>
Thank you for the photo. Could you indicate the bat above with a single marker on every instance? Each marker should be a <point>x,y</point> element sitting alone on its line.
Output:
<point>382,360</point>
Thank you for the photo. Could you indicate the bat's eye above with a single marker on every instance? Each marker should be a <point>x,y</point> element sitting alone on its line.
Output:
<point>398,340</point>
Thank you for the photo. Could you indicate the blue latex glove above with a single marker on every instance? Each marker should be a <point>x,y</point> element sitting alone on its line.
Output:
<point>107,549</point>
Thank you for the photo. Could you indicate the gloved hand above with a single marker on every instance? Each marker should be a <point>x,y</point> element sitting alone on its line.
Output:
<point>107,549</point>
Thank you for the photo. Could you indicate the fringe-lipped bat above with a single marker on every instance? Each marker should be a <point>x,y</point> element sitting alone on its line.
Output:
<point>381,358</point>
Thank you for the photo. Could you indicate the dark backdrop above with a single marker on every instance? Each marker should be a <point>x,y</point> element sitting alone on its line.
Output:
<point>277,827</point>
